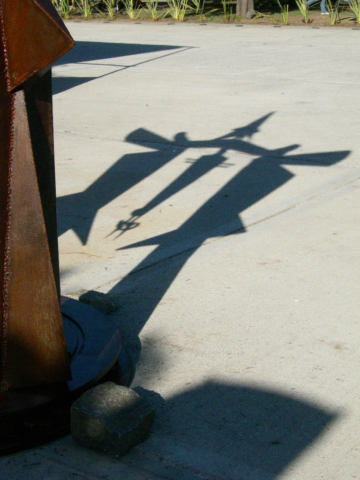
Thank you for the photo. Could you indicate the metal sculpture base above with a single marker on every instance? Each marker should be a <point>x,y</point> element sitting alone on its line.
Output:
<point>33,416</point>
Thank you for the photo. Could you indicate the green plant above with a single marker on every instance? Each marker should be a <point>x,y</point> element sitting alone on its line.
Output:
<point>228,16</point>
<point>56,4</point>
<point>303,9</point>
<point>199,6</point>
<point>333,13</point>
<point>263,15</point>
<point>178,9</point>
<point>64,7</point>
<point>130,9</point>
<point>110,5</point>
<point>284,10</point>
<point>151,7</point>
<point>85,8</point>
<point>354,6</point>
<point>199,9</point>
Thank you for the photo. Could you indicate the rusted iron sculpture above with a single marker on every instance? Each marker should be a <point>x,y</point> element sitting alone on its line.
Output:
<point>33,344</point>
<point>39,363</point>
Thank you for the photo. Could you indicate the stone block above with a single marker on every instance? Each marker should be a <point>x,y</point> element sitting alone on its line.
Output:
<point>250,14</point>
<point>111,419</point>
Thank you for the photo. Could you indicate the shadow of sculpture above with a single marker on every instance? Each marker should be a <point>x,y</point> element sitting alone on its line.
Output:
<point>77,211</point>
<point>221,430</point>
<point>93,53</point>
<point>234,431</point>
<point>217,217</point>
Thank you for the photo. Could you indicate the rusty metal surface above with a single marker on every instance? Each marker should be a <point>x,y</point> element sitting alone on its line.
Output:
<point>39,110</point>
<point>31,416</point>
<point>35,340</point>
<point>35,38</point>
<point>33,349</point>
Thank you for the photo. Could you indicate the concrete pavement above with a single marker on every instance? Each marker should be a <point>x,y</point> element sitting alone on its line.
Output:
<point>208,178</point>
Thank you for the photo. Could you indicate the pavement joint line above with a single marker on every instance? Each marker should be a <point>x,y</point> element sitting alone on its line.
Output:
<point>177,465</point>
<point>283,81</point>
<point>327,29</point>
<point>210,241</point>
<point>180,145</point>
<point>122,68</point>
<point>99,64</point>
<point>82,473</point>
<point>73,470</point>
<point>179,50</point>
<point>87,254</point>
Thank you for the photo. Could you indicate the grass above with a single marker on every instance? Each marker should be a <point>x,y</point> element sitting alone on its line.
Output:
<point>199,6</point>
<point>228,15</point>
<point>354,6</point>
<point>199,9</point>
<point>132,12</point>
<point>303,9</point>
<point>110,6</point>
<point>85,8</point>
<point>178,9</point>
<point>284,10</point>
<point>64,7</point>
<point>263,15</point>
<point>194,11</point>
<point>333,13</point>
<point>153,12</point>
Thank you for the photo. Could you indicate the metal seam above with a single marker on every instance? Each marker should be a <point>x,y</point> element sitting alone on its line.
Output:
<point>6,278</point>
<point>7,246</point>
<point>4,44</point>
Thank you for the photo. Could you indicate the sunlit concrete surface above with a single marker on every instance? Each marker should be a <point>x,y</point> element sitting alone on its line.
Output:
<point>208,179</point>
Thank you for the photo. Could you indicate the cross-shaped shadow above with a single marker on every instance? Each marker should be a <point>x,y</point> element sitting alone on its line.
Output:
<point>78,211</point>
<point>218,216</point>
<point>245,432</point>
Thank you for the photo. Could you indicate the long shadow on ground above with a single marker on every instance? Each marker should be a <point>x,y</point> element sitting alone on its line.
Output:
<point>217,217</point>
<point>226,431</point>
<point>96,52</point>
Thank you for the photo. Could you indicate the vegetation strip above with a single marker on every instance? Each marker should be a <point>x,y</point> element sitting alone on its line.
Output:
<point>295,12</point>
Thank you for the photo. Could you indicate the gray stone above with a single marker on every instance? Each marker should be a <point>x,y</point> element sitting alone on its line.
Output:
<point>111,419</point>
<point>250,14</point>
<point>100,301</point>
